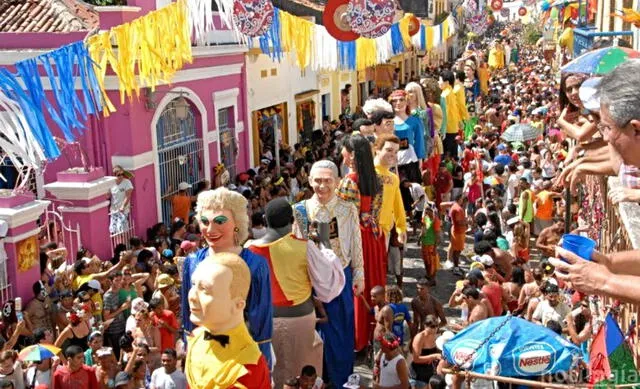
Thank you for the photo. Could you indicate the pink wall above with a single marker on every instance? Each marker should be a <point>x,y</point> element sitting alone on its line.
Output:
<point>38,40</point>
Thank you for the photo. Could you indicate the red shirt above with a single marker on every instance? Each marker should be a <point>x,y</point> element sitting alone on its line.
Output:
<point>167,338</point>
<point>456,213</point>
<point>258,376</point>
<point>443,183</point>
<point>83,378</point>
<point>493,291</point>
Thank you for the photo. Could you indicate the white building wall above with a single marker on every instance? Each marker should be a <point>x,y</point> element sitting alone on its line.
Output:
<point>271,82</point>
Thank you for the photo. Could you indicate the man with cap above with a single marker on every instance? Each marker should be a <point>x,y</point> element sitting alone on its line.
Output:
<point>123,381</point>
<point>181,203</point>
<point>503,157</point>
<point>297,267</point>
<point>327,214</point>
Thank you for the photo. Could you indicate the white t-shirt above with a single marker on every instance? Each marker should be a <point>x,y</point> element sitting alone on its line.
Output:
<point>42,377</point>
<point>17,377</point>
<point>119,194</point>
<point>161,380</point>
<point>545,312</point>
<point>416,193</point>
<point>512,185</point>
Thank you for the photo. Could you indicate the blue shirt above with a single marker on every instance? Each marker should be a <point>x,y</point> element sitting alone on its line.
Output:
<point>413,130</point>
<point>504,159</point>
<point>259,309</point>
<point>400,314</point>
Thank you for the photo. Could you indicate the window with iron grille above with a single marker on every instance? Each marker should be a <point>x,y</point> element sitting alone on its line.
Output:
<point>228,142</point>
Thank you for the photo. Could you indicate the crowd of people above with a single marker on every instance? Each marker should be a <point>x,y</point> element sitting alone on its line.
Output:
<point>324,231</point>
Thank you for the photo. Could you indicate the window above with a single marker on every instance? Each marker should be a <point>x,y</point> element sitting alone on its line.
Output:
<point>223,117</point>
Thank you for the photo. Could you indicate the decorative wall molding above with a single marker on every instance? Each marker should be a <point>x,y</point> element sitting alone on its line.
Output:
<point>95,207</point>
<point>133,162</point>
<point>81,190</point>
<point>25,213</point>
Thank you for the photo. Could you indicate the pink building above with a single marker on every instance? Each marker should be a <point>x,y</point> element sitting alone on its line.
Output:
<point>177,133</point>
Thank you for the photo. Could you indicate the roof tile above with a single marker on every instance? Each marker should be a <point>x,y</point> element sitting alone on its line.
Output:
<point>47,16</point>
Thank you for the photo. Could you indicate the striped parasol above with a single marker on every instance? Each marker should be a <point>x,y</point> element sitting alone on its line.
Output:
<point>38,352</point>
<point>520,133</point>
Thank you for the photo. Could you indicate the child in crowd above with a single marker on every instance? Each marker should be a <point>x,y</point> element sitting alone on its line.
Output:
<point>401,315</point>
<point>429,241</point>
<point>309,379</point>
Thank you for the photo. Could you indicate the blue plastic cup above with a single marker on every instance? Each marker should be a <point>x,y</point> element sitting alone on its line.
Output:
<point>579,245</point>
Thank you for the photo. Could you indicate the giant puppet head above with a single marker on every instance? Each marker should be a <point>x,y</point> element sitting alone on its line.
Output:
<point>218,294</point>
<point>222,215</point>
<point>323,178</point>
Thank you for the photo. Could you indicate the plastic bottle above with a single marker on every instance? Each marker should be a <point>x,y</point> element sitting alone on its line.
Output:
<point>18,306</point>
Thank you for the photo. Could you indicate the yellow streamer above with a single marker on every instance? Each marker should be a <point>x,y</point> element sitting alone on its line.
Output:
<point>366,53</point>
<point>445,30</point>
<point>429,37</point>
<point>151,49</point>
<point>404,29</point>
<point>297,34</point>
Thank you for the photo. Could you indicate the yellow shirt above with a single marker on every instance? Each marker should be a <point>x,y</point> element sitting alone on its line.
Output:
<point>96,298</point>
<point>566,40</point>
<point>458,90</point>
<point>209,365</point>
<point>450,110</point>
<point>392,209</point>
<point>483,76</point>
<point>496,58</point>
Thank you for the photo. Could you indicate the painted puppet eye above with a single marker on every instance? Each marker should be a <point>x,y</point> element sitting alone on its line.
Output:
<point>220,220</point>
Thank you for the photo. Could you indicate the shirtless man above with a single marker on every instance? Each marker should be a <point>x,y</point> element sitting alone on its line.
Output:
<point>549,238</point>
<point>384,320</point>
<point>479,306</point>
<point>502,259</point>
<point>425,304</point>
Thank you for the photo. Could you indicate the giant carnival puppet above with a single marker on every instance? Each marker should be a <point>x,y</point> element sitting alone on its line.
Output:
<point>224,223</point>
<point>335,223</point>
<point>221,353</point>
<point>298,269</point>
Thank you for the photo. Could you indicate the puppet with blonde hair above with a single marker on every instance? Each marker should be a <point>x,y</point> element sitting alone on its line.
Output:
<point>224,224</point>
<point>221,353</point>
<point>418,108</point>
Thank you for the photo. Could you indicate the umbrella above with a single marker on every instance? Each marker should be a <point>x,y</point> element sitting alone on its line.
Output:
<point>514,347</point>
<point>517,145</point>
<point>38,352</point>
<point>520,133</point>
<point>601,61</point>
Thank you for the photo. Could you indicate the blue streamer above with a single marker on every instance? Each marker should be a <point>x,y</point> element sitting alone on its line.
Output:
<point>347,55</point>
<point>270,43</point>
<point>423,37</point>
<point>32,113</point>
<point>67,109</point>
<point>397,45</point>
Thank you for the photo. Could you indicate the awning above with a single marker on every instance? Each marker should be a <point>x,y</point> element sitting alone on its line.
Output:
<point>306,94</point>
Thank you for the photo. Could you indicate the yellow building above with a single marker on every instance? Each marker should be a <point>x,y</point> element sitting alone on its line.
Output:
<point>605,22</point>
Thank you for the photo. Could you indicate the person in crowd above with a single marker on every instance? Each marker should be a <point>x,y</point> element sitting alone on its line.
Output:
<point>425,304</point>
<point>425,353</point>
<point>297,267</point>
<point>429,240</point>
<point>552,307</point>
<point>75,374</point>
<point>550,237</point>
<point>450,113</point>
<point>168,376</point>
<point>325,211</point>
<point>96,342</point>
<point>458,232</point>
<point>394,371</point>
<point>107,367</point>
<point>120,196</point>
<point>181,203</point>
<point>363,187</point>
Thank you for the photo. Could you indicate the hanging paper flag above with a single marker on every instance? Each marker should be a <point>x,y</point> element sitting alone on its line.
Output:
<point>496,5</point>
<point>371,18</point>
<point>200,19</point>
<point>336,20</point>
<point>397,45</point>
<point>297,36</point>
<point>151,49</point>
<point>270,41</point>
<point>522,11</point>
<point>365,53</point>
<point>252,17</point>
<point>347,55</point>
<point>18,143</point>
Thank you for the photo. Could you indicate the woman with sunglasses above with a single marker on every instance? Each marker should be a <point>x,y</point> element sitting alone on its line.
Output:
<point>120,202</point>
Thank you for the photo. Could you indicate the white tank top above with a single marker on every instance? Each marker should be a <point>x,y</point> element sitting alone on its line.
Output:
<point>388,373</point>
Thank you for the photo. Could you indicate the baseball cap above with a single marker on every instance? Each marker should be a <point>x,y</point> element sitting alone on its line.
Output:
<point>137,305</point>
<point>167,253</point>
<point>122,378</point>
<point>104,351</point>
<point>486,260</point>
<point>589,94</point>
<point>164,280</point>
<point>353,382</point>
<point>94,284</point>
<point>183,186</point>
<point>502,147</point>
<point>187,245</point>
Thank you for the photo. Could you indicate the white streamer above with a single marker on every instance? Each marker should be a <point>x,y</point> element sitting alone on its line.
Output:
<point>384,47</point>
<point>325,50</point>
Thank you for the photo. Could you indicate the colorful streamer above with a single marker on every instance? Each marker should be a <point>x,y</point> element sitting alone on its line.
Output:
<point>366,55</point>
<point>397,43</point>
<point>270,43</point>
<point>151,49</point>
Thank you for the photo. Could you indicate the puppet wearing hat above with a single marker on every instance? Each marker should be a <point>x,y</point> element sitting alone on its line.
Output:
<point>221,353</point>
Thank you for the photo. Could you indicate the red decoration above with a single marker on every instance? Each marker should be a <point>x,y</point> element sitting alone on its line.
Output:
<point>371,18</point>
<point>496,5</point>
<point>522,11</point>
<point>252,17</point>
<point>414,25</point>
<point>336,20</point>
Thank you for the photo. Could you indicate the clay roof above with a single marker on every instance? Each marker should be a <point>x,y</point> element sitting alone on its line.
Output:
<point>47,16</point>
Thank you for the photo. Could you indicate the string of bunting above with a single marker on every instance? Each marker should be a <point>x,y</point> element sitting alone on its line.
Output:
<point>150,50</point>
<point>316,48</point>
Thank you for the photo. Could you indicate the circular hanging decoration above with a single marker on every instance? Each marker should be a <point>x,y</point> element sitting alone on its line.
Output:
<point>504,12</point>
<point>496,5</point>
<point>252,17</point>
<point>371,18</point>
<point>336,20</point>
<point>414,25</point>
<point>522,11</point>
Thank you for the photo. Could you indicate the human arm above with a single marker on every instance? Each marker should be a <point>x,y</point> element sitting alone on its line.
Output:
<point>621,194</point>
<point>321,313</point>
<point>541,242</point>
<point>577,337</point>
<point>577,170</point>
<point>417,349</point>
<point>127,196</point>
<point>444,124</point>
<point>64,335</point>
<point>111,308</point>
<point>418,317</point>
<point>19,330</point>
<point>580,131</point>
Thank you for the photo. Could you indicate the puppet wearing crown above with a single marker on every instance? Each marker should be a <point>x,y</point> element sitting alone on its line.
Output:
<point>221,353</point>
